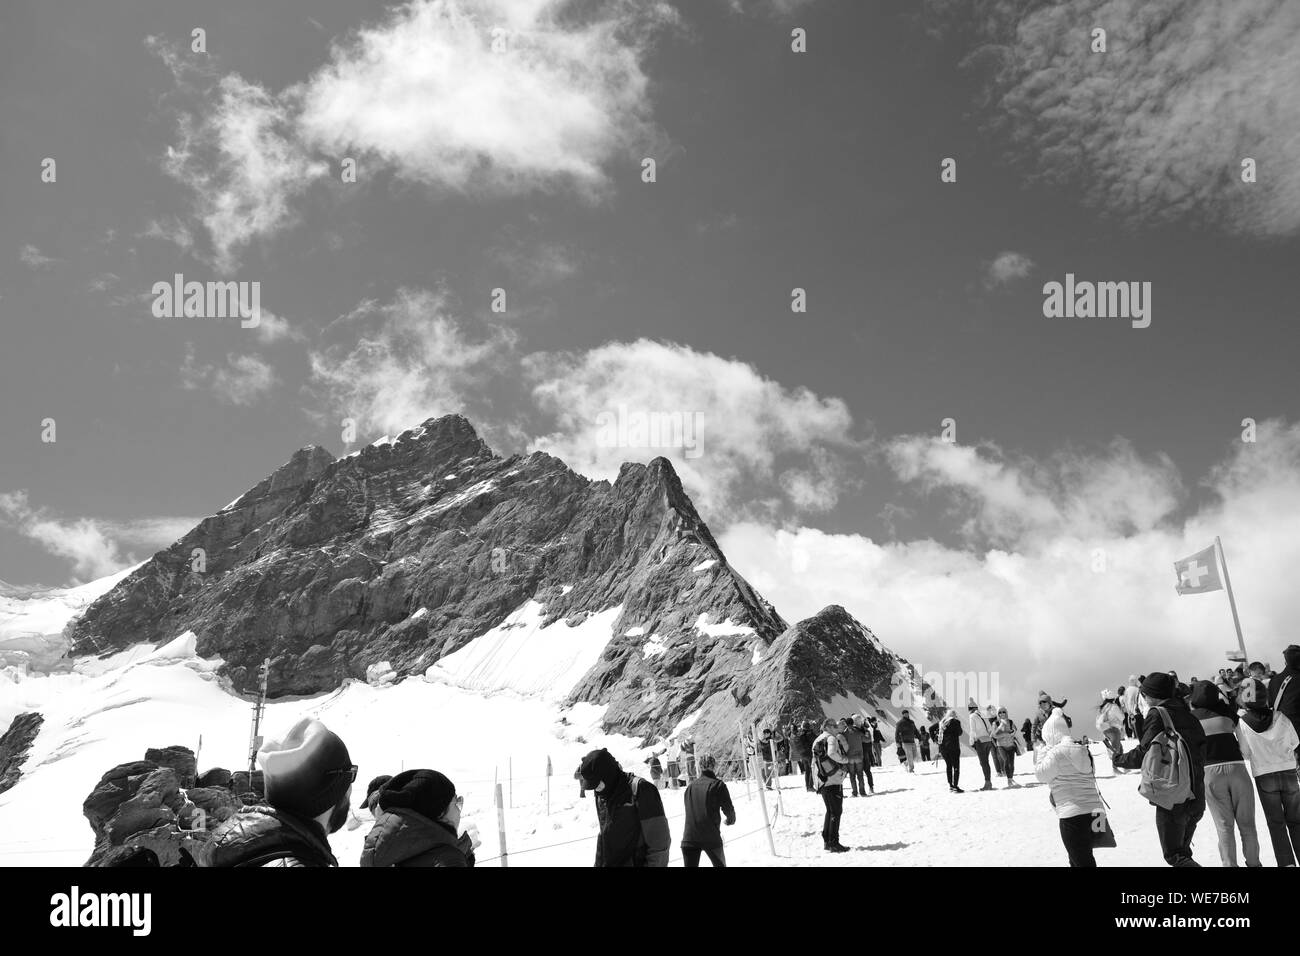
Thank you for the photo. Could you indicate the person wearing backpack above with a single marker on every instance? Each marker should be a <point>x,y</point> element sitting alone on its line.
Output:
<point>830,756</point>
<point>1065,765</point>
<point>1269,741</point>
<point>1228,794</point>
<point>1171,756</point>
<point>630,813</point>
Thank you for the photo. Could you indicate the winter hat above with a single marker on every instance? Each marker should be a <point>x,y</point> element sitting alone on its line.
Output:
<point>1107,695</point>
<point>1292,656</point>
<point>1044,697</point>
<point>1158,686</point>
<point>371,787</point>
<point>1252,694</point>
<point>308,771</point>
<point>427,792</point>
<point>1055,729</point>
<point>971,705</point>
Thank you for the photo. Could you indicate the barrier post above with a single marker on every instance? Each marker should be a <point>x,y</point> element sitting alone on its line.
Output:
<point>762,802</point>
<point>501,828</point>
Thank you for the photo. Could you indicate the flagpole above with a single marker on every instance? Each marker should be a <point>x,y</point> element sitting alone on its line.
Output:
<point>1232,601</point>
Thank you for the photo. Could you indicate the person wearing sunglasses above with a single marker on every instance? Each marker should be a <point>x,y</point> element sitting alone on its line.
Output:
<point>417,823</point>
<point>308,779</point>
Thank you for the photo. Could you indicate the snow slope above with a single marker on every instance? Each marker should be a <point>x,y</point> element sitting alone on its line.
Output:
<point>32,621</point>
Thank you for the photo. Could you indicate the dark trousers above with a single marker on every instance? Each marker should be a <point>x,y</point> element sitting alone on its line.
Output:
<point>1076,834</point>
<point>805,768</point>
<point>870,782</point>
<point>855,776</point>
<point>833,797</point>
<point>1008,761</point>
<point>982,748</point>
<point>1137,725</point>
<point>951,765</point>
<point>691,855</point>
<point>1279,795</point>
<point>1175,828</point>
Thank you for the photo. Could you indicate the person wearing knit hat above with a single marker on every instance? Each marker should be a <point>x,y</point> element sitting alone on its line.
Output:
<point>308,778</point>
<point>1268,742</point>
<point>1045,705</point>
<point>1176,825</point>
<point>417,823</point>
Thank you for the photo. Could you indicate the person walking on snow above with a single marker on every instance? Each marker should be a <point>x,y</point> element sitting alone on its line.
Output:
<point>630,813</point>
<point>1045,705</point>
<point>1065,765</point>
<point>830,756</point>
<point>1269,741</point>
<point>950,749</point>
<point>1004,738</point>
<point>1228,791</point>
<point>905,735</point>
<point>707,802</point>
<point>1110,721</point>
<point>801,738</point>
<point>981,738</point>
<point>1176,825</point>
<point>854,740</point>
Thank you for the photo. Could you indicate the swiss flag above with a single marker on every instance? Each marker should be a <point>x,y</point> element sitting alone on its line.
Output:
<point>1199,573</point>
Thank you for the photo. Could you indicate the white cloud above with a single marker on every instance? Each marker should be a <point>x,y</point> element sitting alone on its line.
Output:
<point>1007,267</point>
<point>427,94</point>
<point>32,257</point>
<point>276,328</point>
<point>1155,129</point>
<point>1035,609</point>
<point>94,547</point>
<point>761,445</point>
<point>391,366</point>
<point>242,380</point>
<point>170,229</point>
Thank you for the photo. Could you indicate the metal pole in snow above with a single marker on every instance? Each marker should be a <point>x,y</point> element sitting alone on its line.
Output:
<point>501,828</point>
<point>762,801</point>
<point>1232,601</point>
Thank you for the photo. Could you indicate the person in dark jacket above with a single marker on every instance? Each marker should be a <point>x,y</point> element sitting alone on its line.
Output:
<point>1287,701</point>
<point>855,740</point>
<point>633,828</point>
<point>877,742</point>
<point>1229,788</point>
<point>707,801</point>
<point>1176,826</point>
<point>950,749</point>
<point>905,734</point>
<point>801,738</point>
<point>417,823</point>
<point>308,777</point>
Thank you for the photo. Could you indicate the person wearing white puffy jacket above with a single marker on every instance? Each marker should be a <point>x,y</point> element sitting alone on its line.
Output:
<point>1065,765</point>
<point>1110,721</point>
<point>1268,742</point>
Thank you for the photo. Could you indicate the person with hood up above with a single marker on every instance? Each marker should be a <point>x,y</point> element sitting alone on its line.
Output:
<point>1284,688</point>
<point>950,749</point>
<point>830,757</point>
<point>308,778</point>
<point>905,735</point>
<point>1065,765</point>
<point>1174,826</point>
<point>707,800</point>
<point>417,823</point>
<point>1269,741</point>
<point>633,828</point>
<point>980,729</point>
<point>1228,793</point>
<point>1110,721</point>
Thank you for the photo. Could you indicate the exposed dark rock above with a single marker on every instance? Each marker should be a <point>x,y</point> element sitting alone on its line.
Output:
<point>14,745</point>
<point>180,759</point>
<point>216,777</point>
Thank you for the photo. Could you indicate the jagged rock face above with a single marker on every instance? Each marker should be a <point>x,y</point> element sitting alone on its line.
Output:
<point>828,665</point>
<point>14,744</point>
<point>407,551</point>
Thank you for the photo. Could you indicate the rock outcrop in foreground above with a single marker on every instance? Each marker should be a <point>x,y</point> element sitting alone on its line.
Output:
<point>390,559</point>
<point>14,744</point>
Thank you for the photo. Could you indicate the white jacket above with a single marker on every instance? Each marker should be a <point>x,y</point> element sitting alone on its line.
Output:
<point>1067,769</point>
<point>1271,751</point>
<point>1131,695</point>
<point>978,727</point>
<point>1110,716</point>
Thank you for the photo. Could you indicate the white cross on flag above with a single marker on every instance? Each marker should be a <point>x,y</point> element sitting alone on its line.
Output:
<point>1199,573</point>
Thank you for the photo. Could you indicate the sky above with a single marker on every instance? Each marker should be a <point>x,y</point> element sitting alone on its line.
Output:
<point>500,149</point>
